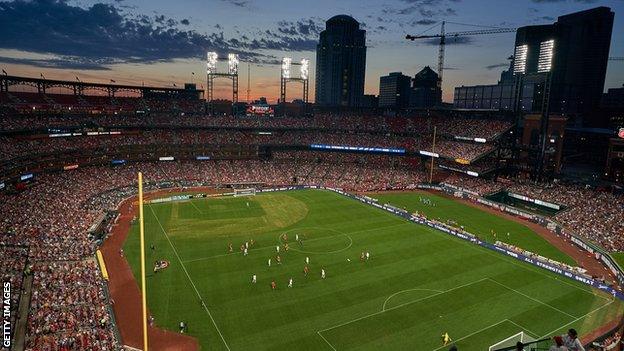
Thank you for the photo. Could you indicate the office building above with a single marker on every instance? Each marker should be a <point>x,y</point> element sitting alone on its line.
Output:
<point>425,90</point>
<point>394,91</point>
<point>565,61</point>
<point>341,63</point>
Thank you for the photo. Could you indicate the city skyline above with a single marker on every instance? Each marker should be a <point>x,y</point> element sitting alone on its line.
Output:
<point>158,43</point>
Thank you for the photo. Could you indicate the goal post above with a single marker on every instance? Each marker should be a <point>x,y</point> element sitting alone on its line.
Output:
<point>245,192</point>
<point>510,342</point>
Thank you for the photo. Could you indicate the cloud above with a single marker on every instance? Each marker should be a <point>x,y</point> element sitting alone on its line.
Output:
<point>101,35</point>
<point>303,27</point>
<point>424,22</point>
<point>426,8</point>
<point>555,1</point>
<point>238,3</point>
<point>497,65</point>
<point>450,41</point>
<point>64,62</point>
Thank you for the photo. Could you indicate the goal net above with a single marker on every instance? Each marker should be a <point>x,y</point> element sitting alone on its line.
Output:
<point>244,192</point>
<point>510,342</point>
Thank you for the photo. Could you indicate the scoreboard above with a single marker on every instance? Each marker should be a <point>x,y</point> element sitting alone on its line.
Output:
<point>260,110</point>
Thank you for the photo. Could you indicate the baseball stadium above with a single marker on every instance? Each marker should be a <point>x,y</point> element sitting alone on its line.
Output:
<point>140,216</point>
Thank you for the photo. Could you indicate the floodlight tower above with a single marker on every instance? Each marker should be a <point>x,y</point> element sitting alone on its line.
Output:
<point>212,72</point>
<point>304,74</point>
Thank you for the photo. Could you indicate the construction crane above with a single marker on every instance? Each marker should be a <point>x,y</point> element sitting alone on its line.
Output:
<point>443,35</point>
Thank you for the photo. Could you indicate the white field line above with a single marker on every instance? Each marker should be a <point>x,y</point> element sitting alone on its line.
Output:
<point>189,278</point>
<point>383,308</point>
<point>473,333</point>
<point>197,208</point>
<point>532,298</point>
<point>328,343</point>
<point>401,305</point>
<point>579,318</point>
<point>523,328</point>
<point>308,240</point>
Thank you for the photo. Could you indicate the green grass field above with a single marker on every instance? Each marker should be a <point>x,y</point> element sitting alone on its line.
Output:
<point>619,258</point>
<point>418,284</point>
<point>475,221</point>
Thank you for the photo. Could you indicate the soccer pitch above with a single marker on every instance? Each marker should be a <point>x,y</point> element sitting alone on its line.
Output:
<point>418,283</point>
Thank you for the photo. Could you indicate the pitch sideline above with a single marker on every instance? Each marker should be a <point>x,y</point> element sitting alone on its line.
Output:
<point>189,277</point>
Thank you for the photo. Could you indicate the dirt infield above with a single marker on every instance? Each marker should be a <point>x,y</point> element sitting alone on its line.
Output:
<point>125,291</point>
<point>583,258</point>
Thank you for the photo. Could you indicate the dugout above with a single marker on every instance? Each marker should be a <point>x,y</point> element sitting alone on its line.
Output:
<point>525,203</point>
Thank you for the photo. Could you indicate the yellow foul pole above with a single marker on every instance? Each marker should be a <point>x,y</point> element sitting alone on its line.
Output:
<point>142,234</point>
<point>433,151</point>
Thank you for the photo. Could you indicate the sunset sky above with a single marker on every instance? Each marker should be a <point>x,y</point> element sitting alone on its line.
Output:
<point>160,42</point>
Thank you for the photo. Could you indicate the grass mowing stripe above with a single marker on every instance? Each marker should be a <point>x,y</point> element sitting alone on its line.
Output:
<point>403,304</point>
<point>532,298</point>
<point>189,277</point>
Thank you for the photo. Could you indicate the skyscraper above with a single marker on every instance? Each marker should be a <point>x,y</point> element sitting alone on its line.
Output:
<point>341,63</point>
<point>568,61</point>
<point>425,91</point>
<point>394,90</point>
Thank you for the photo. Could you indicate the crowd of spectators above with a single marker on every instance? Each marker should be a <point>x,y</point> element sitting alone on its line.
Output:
<point>35,146</point>
<point>69,309</point>
<point>451,126</point>
<point>610,343</point>
<point>12,270</point>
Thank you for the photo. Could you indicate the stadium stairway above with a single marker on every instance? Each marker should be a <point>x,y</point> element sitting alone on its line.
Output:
<point>19,335</point>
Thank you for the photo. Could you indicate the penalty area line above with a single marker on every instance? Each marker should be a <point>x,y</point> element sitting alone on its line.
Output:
<point>532,298</point>
<point>327,341</point>
<point>403,304</point>
<point>189,278</point>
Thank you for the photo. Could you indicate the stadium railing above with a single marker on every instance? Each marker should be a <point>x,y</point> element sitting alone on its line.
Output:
<point>538,345</point>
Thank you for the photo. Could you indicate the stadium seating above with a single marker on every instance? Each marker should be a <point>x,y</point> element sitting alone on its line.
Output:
<point>68,202</point>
